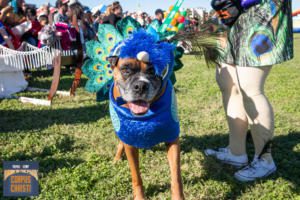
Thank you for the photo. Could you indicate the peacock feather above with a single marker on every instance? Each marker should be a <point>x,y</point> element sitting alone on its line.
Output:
<point>127,26</point>
<point>96,67</point>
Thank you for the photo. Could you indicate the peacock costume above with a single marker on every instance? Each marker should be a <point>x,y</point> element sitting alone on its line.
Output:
<point>98,69</point>
<point>160,123</point>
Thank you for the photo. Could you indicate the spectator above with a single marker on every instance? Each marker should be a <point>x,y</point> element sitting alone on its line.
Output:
<point>115,16</point>
<point>3,3</point>
<point>159,16</point>
<point>88,30</point>
<point>43,19</point>
<point>75,14</point>
<point>12,15</point>
<point>32,34</point>
<point>61,15</point>
<point>44,10</point>
<point>5,38</point>
<point>134,16</point>
<point>148,20</point>
<point>142,18</point>
<point>97,19</point>
<point>108,10</point>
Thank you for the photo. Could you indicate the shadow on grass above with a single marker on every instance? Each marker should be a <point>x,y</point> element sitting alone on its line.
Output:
<point>27,119</point>
<point>66,79</point>
<point>153,190</point>
<point>287,161</point>
<point>47,161</point>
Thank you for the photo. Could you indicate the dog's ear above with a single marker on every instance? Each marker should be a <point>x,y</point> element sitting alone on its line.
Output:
<point>113,60</point>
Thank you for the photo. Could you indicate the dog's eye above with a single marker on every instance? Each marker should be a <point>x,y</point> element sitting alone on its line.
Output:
<point>125,70</point>
<point>150,70</point>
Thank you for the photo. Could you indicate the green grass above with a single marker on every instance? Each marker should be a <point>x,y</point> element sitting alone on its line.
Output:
<point>75,143</point>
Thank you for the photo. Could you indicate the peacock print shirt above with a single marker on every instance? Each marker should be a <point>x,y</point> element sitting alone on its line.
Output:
<point>261,36</point>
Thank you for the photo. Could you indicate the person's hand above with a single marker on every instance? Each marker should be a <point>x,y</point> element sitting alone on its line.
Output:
<point>6,38</point>
<point>4,12</point>
<point>6,9</point>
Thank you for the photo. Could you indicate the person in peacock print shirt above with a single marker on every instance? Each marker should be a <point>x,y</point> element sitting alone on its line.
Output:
<point>261,37</point>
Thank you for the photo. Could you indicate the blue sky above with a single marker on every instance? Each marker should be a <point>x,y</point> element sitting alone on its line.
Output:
<point>148,5</point>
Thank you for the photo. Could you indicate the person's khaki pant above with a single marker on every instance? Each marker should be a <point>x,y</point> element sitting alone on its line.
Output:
<point>246,104</point>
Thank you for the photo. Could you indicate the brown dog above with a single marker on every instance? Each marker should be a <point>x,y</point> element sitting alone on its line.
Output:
<point>135,82</point>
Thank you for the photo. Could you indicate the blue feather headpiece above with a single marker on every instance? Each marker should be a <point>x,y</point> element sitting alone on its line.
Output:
<point>161,54</point>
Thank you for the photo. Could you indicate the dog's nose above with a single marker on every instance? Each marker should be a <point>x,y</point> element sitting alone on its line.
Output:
<point>140,87</point>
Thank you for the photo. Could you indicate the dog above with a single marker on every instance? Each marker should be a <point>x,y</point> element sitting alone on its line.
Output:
<point>62,32</point>
<point>143,105</point>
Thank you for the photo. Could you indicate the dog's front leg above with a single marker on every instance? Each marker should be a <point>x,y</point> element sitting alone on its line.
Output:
<point>132,154</point>
<point>173,149</point>
<point>120,151</point>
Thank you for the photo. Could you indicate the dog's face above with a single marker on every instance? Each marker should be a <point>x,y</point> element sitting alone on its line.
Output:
<point>137,82</point>
<point>47,35</point>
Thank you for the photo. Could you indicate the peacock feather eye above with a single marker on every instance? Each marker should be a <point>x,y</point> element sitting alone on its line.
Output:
<point>261,44</point>
<point>99,51</point>
<point>100,79</point>
<point>97,68</point>
<point>109,73</point>
<point>129,30</point>
<point>107,66</point>
<point>110,38</point>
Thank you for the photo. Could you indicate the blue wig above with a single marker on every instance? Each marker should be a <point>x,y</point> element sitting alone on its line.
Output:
<point>161,54</point>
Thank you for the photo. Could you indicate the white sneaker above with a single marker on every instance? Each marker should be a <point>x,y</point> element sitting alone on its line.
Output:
<point>259,168</point>
<point>225,155</point>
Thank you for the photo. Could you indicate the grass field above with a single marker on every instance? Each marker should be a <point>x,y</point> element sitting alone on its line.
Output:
<point>74,141</point>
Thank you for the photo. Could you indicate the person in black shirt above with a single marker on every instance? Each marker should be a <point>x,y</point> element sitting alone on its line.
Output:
<point>115,16</point>
<point>159,15</point>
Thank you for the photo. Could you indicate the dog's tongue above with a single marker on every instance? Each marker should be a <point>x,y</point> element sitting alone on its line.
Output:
<point>138,107</point>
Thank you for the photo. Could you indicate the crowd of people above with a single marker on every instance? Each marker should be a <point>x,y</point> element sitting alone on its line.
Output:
<point>22,22</point>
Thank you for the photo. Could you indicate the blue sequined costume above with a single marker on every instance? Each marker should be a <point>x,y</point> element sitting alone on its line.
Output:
<point>159,124</point>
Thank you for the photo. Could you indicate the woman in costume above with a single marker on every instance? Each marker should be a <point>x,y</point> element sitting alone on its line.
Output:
<point>75,15</point>
<point>259,38</point>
